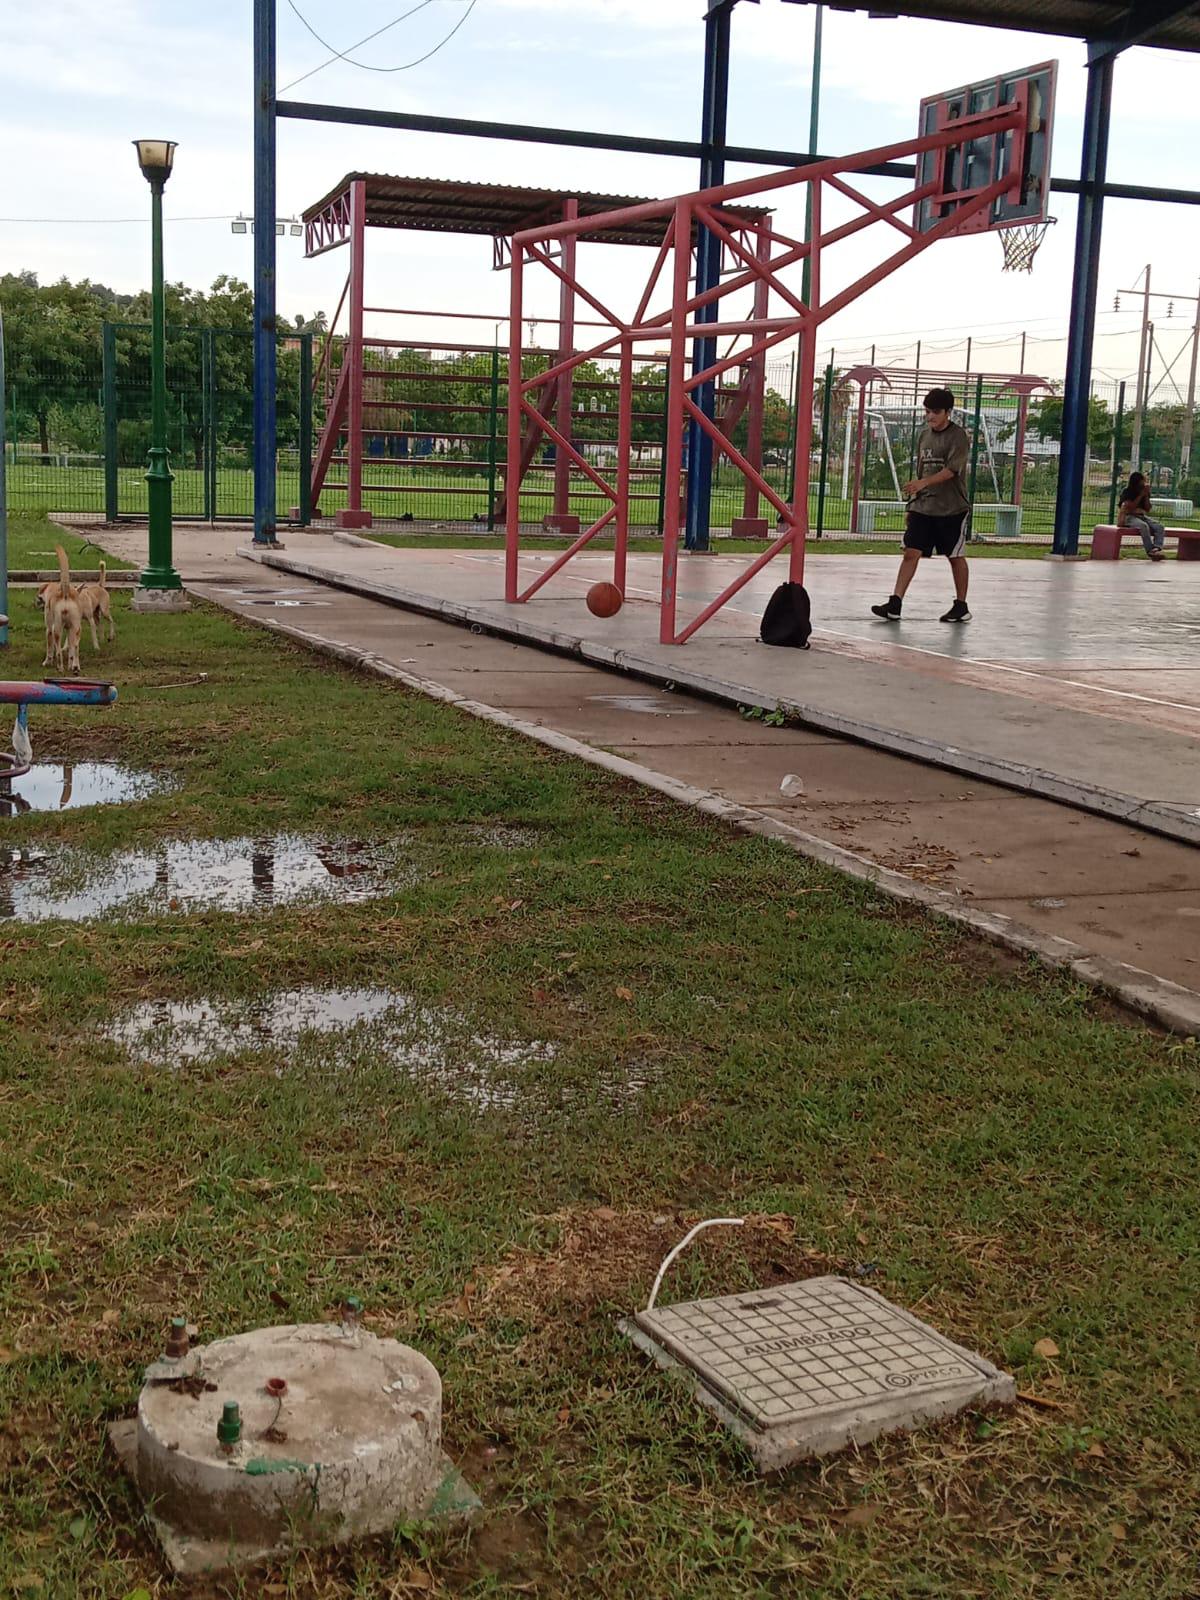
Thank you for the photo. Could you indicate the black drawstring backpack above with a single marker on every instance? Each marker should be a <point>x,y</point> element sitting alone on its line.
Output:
<point>786,620</point>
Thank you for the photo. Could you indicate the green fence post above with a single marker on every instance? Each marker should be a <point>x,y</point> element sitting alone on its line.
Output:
<point>1116,466</point>
<point>306,428</point>
<point>826,422</point>
<point>108,346</point>
<point>493,409</point>
<point>975,453</point>
<point>207,363</point>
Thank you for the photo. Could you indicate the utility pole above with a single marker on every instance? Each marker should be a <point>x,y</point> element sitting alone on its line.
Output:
<point>1135,457</point>
<point>1185,452</point>
<point>1145,357</point>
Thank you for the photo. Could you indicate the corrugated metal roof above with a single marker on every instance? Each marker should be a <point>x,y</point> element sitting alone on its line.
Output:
<point>1075,19</point>
<point>444,205</point>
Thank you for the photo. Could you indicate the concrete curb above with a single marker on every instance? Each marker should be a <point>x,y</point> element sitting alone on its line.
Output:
<point>1148,814</point>
<point>1166,1004</point>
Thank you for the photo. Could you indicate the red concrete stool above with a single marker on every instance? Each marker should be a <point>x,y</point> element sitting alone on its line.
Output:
<point>1106,541</point>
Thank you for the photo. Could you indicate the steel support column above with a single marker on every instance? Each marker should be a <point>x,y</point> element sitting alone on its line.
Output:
<point>1082,325</point>
<point>264,272</point>
<point>566,349</point>
<point>708,266</point>
<point>354,515</point>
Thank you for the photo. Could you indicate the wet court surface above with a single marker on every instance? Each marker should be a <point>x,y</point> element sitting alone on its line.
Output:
<point>1088,672</point>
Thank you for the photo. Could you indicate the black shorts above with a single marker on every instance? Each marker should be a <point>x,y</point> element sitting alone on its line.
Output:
<point>945,535</point>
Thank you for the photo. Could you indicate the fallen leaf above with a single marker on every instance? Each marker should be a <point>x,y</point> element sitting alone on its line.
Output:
<point>622,993</point>
<point>604,1214</point>
<point>791,915</point>
<point>564,1414</point>
<point>1096,1449</point>
<point>1117,1531</point>
<point>278,1299</point>
<point>859,1516</point>
<point>77,1527</point>
<point>111,1317</point>
<point>1046,1348</point>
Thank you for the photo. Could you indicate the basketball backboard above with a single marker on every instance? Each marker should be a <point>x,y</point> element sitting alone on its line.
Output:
<point>961,171</point>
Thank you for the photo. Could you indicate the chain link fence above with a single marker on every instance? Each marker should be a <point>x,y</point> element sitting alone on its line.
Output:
<point>435,430</point>
<point>78,436</point>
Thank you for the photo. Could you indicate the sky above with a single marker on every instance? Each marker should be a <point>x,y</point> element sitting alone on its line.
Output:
<point>79,81</point>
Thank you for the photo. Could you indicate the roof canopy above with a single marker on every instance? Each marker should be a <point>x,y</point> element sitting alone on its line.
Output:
<point>444,205</point>
<point>1169,24</point>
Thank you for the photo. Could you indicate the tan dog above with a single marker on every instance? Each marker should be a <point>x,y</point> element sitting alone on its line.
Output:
<point>64,620</point>
<point>95,601</point>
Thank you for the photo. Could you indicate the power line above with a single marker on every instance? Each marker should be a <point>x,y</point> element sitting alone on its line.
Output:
<point>344,55</point>
<point>107,222</point>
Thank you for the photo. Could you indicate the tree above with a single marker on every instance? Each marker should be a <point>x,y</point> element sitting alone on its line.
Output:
<point>52,345</point>
<point>1046,421</point>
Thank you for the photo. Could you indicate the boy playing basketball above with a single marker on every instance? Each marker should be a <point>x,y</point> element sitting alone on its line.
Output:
<point>938,507</point>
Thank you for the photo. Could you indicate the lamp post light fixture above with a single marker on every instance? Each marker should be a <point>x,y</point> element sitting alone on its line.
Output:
<point>159,587</point>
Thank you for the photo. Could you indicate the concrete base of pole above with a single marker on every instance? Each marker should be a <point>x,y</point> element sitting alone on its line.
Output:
<point>749,528</point>
<point>159,600</point>
<point>560,522</point>
<point>353,519</point>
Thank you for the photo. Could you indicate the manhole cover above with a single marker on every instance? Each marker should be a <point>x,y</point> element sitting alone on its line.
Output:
<point>810,1367</point>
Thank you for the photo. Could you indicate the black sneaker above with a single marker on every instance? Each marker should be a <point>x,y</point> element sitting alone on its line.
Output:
<point>890,612</point>
<point>957,613</point>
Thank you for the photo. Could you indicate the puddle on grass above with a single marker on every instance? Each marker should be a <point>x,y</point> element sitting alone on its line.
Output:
<point>50,787</point>
<point>649,705</point>
<point>189,875</point>
<point>339,1028</point>
<point>344,1029</point>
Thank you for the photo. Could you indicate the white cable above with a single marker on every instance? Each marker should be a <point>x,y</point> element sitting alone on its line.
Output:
<point>713,1222</point>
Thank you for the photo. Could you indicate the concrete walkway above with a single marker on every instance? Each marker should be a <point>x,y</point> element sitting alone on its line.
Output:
<point>1075,682</point>
<point>1122,893</point>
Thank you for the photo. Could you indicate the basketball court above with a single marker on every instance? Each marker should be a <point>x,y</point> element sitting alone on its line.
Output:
<point>1079,682</point>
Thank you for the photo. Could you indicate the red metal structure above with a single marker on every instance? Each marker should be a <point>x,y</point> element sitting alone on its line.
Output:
<point>778,313</point>
<point>355,388</point>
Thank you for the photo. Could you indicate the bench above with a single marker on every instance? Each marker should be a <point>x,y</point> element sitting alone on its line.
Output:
<point>1008,517</point>
<point>1106,541</point>
<point>1172,508</point>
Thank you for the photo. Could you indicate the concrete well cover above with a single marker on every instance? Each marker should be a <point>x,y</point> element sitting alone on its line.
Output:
<point>805,1368</point>
<point>350,1447</point>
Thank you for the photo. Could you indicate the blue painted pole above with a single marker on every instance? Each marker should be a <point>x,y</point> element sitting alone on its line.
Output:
<point>708,266</point>
<point>1072,461</point>
<point>264,272</point>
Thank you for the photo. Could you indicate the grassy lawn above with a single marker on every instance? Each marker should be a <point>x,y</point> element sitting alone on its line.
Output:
<point>869,1086</point>
<point>31,541</point>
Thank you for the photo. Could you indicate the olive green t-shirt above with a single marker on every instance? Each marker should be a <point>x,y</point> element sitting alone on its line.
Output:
<point>935,451</point>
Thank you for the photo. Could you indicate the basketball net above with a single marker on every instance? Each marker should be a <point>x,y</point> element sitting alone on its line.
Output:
<point>1021,244</point>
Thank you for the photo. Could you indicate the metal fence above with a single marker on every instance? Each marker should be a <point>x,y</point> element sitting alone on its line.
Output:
<point>78,436</point>
<point>435,425</point>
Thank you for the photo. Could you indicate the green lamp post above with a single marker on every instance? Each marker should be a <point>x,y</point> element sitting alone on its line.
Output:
<point>159,588</point>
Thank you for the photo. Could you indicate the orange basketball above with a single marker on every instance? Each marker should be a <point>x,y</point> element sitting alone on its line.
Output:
<point>604,600</point>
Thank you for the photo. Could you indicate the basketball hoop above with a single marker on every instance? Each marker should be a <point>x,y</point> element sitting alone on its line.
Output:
<point>1021,244</point>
